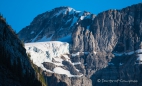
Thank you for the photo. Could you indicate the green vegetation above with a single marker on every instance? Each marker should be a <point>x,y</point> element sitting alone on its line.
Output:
<point>40,76</point>
<point>12,62</point>
<point>29,55</point>
<point>38,72</point>
<point>23,44</point>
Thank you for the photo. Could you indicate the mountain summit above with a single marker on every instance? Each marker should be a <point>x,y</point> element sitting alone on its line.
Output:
<point>107,46</point>
<point>57,24</point>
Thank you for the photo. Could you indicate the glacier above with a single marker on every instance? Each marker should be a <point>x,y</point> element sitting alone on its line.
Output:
<point>47,52</point>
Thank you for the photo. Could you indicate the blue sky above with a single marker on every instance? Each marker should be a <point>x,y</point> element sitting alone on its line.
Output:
<point>19,13</point>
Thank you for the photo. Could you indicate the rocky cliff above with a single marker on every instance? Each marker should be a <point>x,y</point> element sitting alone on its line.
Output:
<point>108,45</point>
<point>15,67</point>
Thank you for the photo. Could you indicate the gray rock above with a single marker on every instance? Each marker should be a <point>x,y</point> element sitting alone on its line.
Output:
<point>49,65</point>
<point>112,31</point>
<point>70,67</point>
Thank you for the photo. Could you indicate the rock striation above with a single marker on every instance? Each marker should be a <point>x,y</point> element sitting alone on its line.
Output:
<point>108,45</point>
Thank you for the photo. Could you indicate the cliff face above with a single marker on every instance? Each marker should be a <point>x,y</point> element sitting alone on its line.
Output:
<point>110,42</point>
<point>15,67</point>
<point>118,30</point>
<point>114,31</point>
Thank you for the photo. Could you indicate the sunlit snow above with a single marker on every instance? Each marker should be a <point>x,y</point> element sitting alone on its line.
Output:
<point>47,51</point>
<point>82,17</point>
<point>60,70</point>
<point>75,54</point>
<point>76,63</point>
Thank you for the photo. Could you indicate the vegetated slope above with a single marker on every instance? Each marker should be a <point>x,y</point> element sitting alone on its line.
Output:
<point>112,42</point>
<point>15,66</point>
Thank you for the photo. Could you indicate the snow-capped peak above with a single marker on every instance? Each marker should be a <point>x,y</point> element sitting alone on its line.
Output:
<point>70,9</point>
<point>65,10</point>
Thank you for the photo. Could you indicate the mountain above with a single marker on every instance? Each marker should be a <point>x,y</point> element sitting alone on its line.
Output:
<point>100,48</point>
<point>60,68</point>
<point>15,66</point>
<point>55,25</point>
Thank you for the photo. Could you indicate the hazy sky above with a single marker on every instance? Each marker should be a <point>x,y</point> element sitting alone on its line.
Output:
<point>19,13</point>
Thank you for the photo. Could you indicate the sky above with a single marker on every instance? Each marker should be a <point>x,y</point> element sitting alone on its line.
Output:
<point>20,13</point>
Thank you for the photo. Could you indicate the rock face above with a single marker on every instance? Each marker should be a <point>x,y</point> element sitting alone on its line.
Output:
<point>58,64</point>
<point>57,24</point>
<point>15,67</point>
<point>107,45</point>
<point>63,80</point>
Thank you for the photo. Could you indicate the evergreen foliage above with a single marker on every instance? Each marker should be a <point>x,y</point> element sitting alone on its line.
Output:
<point>39,75</point>
<point>12,62</point>
<point>23,44</point>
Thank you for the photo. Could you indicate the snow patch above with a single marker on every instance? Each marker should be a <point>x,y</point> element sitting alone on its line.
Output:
<point>52,52</point>
<point>82,17</point>
<point>88,16</point>
<point>58,59</point>
<point>139,57</point>
<point>86,52</point>
<point>95,52</point>
<point>67,58</point>
<point>72,11</point>
<point>128,53</point>
<point>139,50</point>
<point>60,70</point>
<point>75,54</point>
<point>76,63</point>
<point>68,21</point>
<point>32,32</point>
<point>36,36</point>
<point>110,63</point>
<point>45,51</point>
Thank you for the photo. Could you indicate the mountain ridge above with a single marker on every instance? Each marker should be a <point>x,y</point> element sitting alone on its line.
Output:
<point>69,14</point>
